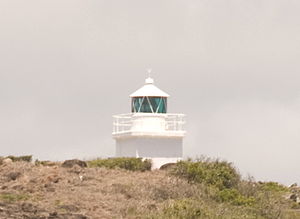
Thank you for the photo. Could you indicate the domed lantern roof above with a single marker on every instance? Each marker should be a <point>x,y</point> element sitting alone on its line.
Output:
<point>149,90</point>
<point>149,99</point>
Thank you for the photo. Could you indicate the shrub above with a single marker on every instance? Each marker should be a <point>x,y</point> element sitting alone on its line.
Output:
<point>45,163</point>
<point>9,197</point>
<point>27,158</point>
<point>234,197</point>
<point>185,208</point>
<point>72,163</point>
<point>133,164</point>
<point>273,187</point>
<point>220,174</point>
<point>248,187</point>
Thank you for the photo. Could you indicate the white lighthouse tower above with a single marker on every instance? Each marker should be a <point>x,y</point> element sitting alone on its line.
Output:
<point>149,131</point>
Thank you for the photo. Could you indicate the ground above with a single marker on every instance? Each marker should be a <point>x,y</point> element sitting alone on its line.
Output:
<point>31,191</point>
<point>50,191</point>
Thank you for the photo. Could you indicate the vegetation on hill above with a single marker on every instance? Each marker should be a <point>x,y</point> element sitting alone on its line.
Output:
<point>223,194</point>
<point>133,164</point>
<point>125,188</point>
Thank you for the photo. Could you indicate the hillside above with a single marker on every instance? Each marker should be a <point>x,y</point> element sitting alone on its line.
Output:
<point>203,189</point>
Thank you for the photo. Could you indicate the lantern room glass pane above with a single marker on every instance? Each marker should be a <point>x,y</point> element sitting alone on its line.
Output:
<point>149,104</point>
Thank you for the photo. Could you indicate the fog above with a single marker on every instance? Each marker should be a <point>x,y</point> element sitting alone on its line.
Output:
<point>232,66</point>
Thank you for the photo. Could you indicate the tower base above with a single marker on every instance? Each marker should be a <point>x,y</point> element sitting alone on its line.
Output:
<point>161,150</point>
<point>160,161</point>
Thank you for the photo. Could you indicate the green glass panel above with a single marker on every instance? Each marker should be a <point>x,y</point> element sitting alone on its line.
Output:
<point>145,108</point>
<point>149,104</point>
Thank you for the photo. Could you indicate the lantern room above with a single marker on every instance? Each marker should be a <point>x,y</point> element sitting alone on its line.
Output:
<point>149,99</point>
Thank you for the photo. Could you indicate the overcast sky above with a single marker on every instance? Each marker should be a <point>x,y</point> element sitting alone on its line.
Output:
<point>66,66</point>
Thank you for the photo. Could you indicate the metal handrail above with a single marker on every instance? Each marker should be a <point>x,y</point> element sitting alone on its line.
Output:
<point>124,122</point>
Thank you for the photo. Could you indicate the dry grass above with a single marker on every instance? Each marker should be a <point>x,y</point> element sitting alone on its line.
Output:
<point>95,192</point>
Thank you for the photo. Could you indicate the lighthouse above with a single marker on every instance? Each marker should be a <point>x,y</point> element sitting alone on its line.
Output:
<point>149,131</point>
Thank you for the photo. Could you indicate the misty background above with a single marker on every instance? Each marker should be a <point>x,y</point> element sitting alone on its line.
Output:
<point>67,66</point>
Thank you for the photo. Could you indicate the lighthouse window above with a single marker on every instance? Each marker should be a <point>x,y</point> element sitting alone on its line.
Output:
<point>149,104</point>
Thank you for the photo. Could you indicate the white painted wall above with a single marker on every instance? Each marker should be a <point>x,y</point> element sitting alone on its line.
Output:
<point>149,147</point>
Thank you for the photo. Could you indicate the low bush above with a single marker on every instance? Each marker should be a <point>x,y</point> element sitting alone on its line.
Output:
<point>45,163</point>
<point>272,187</point>
<point>133,164</point>
<point>234,197</point>
<point>220,174</point>
<point>9,197</point>
<point>27,158</point>
<point>185,208</point>
<point>74,162</point>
